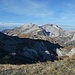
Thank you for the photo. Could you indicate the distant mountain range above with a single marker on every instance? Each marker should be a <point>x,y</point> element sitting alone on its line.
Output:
<point>46,30</point>
<point>50,30</point>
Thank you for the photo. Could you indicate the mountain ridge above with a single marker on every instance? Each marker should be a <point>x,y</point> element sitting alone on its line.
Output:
<point>63,37</point>
<point>33,43</point>
<point>28,50</point>
<point>34,29</point>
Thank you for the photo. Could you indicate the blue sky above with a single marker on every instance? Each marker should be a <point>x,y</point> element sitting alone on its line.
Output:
<point>17,12</point>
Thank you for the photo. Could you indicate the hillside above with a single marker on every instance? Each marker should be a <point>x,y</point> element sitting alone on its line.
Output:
<point>31,50</point>
<point>63,67</point>
<point>27,50</point>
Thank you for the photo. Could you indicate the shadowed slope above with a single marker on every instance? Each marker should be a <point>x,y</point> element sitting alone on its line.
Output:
<point>26,50</point>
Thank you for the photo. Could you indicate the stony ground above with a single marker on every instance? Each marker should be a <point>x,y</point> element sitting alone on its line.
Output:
<point>60,67</point>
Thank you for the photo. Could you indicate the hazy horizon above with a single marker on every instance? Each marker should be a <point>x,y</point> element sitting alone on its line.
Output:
<point>4,26</point>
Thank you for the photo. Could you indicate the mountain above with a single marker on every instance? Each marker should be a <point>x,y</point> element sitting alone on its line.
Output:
<point>16,50</point>
<point>26,50</point>
<point>31,43</point>
<point>67,38</point>
<point>46,30</point>
<point>52,29</point>
<point>62,37</point>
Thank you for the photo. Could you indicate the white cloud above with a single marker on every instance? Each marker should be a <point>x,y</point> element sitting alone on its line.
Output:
<point>60,13</point>
<point>26,7</point>
<point>10,24</point>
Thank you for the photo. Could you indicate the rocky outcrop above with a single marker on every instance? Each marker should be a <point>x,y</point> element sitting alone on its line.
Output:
<point>53,30</point>
<point>72,52</point>
<point>66,52</point>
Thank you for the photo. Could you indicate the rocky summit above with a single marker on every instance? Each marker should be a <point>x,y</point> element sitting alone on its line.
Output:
<point>46,30</point>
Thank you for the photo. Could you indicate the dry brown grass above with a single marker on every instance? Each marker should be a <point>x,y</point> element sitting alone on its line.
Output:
<point>65,57</point>
<point>24,36</point>
<point>38,37</point>
<point>62,67</point>
<point>69,47</point>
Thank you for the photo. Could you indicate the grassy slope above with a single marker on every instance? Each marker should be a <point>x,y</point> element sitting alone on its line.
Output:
<point>62,67</point>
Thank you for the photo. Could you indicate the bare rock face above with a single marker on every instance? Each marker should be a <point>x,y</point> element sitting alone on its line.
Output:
<point>72,52</point>
<point>58,51</point>
<point>53,30</point>
<point>26,29</point>
<point>68,51</point>
<point>46,30</point>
